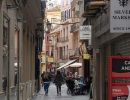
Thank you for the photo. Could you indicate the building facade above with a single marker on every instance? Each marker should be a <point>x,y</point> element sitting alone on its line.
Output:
<point>52,3</point>
<point>64,42</point>
<point>75,31</point>
<point>18,40</point>
<point>53,18</point>
<point>104,44</point>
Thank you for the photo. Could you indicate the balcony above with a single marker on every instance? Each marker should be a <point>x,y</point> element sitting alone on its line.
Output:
<point>74,53</point>
<point>74,28</point>
<point>74,4</point>
<point>92,7</point>
<point>63,39</point>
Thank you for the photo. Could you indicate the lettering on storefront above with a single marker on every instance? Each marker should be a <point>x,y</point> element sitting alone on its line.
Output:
<point>120,67</point>
<point>120,16</point>
<point>85,32</point>
<point>119,78</point>
<point>127,66</point>
<point>120,92</point>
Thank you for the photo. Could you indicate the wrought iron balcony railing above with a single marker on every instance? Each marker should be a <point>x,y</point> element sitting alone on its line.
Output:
<point>74,28</point>
<point>73,53</point>
<point>63,39</point>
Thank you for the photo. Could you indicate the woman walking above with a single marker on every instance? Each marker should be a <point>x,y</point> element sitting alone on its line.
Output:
<point>46,82</point>
<point>58,82</point>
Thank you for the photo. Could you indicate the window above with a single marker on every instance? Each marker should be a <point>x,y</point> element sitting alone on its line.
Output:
<point>5,35</point>
<point>69,13</point>
<point>6,49</point>
<point>67,51</point>
<point>52,52</point>
<point>53,20</point>
<point>62,15</point>
<point>65,15</point>
<point>61,52</point>
<point>64,53</point>
<point>67,33</point>
<point>64,35</point>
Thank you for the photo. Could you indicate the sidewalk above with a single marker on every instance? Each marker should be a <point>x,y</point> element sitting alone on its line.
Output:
<point>13,96</point>
<point>53,95</point>
<point>4,97</point>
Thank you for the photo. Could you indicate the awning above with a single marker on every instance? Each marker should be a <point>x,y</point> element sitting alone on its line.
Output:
<point>66,64</point>
<point>93,7</point>
<point>74,65</point>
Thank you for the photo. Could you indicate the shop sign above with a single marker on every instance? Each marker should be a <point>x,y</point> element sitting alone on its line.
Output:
<point>50,59</point>
<point>86,56</point>
<point>85,32</point>
<point>119,78</point>
<point>121,92</point>
<point>120,16</point>
<point>121,67</point>
<point>43,58</point>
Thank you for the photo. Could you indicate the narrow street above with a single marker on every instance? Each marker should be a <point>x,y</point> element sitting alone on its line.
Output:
<point>53,95</point>
<point>83,43</point>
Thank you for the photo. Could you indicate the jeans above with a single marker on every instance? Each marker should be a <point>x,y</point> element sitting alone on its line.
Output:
<point>58,89</point>
<point>46,86</point>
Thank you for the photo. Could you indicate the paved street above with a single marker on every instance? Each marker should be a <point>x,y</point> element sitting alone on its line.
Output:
<point>53,95</point>
<point>12,97</point>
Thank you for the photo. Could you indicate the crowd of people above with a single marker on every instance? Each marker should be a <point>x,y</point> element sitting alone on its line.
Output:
<point>76,85</point>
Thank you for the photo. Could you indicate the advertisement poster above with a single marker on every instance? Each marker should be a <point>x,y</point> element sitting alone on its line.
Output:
<point>121,92</point>
<point>120,67</point>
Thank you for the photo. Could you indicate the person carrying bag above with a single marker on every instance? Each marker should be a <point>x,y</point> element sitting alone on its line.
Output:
<point>46,82</point>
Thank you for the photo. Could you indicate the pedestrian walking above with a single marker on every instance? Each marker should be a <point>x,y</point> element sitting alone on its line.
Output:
<point>4,84</point>
<point>87,82</point>
<point>58,82</point>
<point>42,77</point>
<point>46,82</point>
<point>70,84</point>
<point>15,82</point>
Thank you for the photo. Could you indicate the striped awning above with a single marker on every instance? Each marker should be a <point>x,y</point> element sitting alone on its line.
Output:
<point>66,64</point>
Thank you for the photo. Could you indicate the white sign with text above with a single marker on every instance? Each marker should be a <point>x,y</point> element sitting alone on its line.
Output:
<point>85,32</point>
<point>120,16</point>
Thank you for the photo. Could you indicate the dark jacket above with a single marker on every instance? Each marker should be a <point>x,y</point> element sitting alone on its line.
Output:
<point>46,79</point>
<point>4,83</point>
<point>58,79</point>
